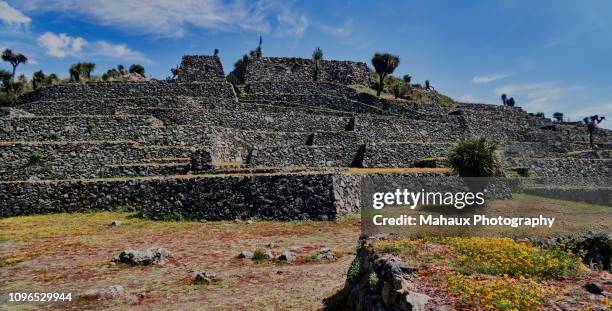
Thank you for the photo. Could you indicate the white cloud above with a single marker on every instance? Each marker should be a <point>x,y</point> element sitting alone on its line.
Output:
<point>295,24</point>
<point>488,79</point>
<point>118,51</point>
<point>343,30</point>
<point>602,110</point>
<point>468,98</point>
<point>12,16</point>
<point>554,42</point>
<point>62,45</point>
<point>174,18</point>
<point>538,96</point>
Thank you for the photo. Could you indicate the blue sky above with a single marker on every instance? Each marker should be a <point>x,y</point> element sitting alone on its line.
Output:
<point>549,55</point>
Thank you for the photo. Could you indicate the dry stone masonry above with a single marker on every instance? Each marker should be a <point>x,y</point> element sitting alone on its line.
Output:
<point>278,146</point>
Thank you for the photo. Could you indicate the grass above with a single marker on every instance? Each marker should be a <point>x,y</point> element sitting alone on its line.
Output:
<point>73,251</point>
<point>367,90</point>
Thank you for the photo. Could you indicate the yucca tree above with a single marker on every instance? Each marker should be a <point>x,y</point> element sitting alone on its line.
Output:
<point>174,71</point>
<point>504,98</point>
<point>87,69</point>
<point>14,59</point>
<point>384,64</point>
<point>139,69</point>
<point>591,123</point>
<point>75,72</point>
<point>317,55</point>
<point>38,79</point>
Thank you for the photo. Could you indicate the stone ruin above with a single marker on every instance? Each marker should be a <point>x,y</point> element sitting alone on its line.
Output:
<point>278,146</point>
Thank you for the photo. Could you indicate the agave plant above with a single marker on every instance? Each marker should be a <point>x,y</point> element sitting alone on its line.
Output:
<point>476,160</point>
<point>475,157</point>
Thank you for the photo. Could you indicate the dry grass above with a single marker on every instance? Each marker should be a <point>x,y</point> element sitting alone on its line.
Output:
<point>73,252</point>
<point>398,170</point>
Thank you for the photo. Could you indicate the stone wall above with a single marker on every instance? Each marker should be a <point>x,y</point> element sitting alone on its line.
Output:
<point>401,129</point>
<point>289,121</point>
<point>199,68</point>
<point>63,160</point>
<point>318,101</point>
<point>111,106</point>
<point>122,89</point>
<point>284,197</point>
<point>399,154</point>
<point>300,69</point>
<point>313,156</point>
<point>600,196</point>
<point>74,128</point>
<point>569,171</point>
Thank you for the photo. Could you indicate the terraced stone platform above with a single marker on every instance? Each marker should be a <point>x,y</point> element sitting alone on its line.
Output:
<point>278,146</point>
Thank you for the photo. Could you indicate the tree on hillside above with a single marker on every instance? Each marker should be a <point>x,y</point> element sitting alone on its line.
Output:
<point>75,72</point>
<point>121,70</point>
<point>216,52</point>
<point>591,123</point>
<point>87,69</point>
<point>407,79</point>
<point>317,55</point>
<point>258,50</point>
<point>51,79</point>
<point>510,102</point>
<point>174,71</point>
<point>111,74</point>
<point>135,68</point>
<point>14,59</point>
<point>428,85</point>
<point>5,78</point>
<point>38,79</point>
<point>384,64</point>
<point>504,98</point>
<point>558,116</point>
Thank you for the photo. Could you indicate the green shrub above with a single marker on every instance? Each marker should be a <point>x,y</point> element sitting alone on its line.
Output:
<point>475,157</point>
<point>445,101</point>
<point>259,255</point>
<point>373,279</point>
<point>36,156</point>
<point>355,270</point>
<point>7,100</point>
